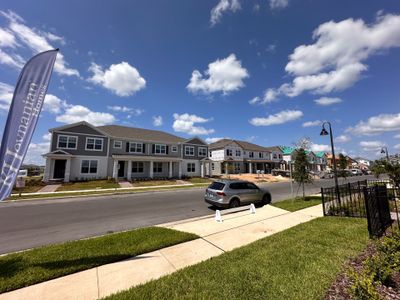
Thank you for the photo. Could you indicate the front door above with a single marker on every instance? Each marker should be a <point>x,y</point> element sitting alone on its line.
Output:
<point>121,169</point>
<point>59,168</point>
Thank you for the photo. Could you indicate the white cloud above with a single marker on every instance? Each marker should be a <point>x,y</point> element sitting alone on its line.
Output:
<point>47,137</point>
<point>335,61</point>
<point>78,113</point>
<point>269,96</point>
<point>34,39</point>
<point>225,75</point>
<point>157,121</point>
<point>371,145</point>
<point>397,147</point>
<point>215,139</point>
<point>397,136</point>
<point>186,123</point>
<point>6,94</point>
<point>342,139</point>
<point>123,109</point>
<point>7,39</point>
<point>320,147</point>
<point>278,4</point>
<point>312,123</point>
<point>325,101</point>
<point>34,153</point>
<point>279,118</point>
<point>222,7</point>
<point>122,79</point>
<point>377,125</point>
<point>53,104</point>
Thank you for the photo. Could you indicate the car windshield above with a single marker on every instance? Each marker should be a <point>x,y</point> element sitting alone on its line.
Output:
<point>216,186</point>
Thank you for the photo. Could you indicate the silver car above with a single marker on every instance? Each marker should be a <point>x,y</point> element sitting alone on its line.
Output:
<point>233,193</point>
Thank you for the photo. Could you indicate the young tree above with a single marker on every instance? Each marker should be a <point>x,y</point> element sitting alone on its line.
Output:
<point>301,173</point>
<point>342,164</point>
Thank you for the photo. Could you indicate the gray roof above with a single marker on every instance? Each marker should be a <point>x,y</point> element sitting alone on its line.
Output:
<point>244,145</point>
<point>274,148</point>
<point>125,132</point>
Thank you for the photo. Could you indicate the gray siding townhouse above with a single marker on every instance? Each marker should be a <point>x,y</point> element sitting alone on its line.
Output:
<point>234,156</point>
<point>82,151</point>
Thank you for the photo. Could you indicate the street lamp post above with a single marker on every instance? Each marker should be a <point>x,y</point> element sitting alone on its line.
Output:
<point>324,132</point>
<point>385,150</point>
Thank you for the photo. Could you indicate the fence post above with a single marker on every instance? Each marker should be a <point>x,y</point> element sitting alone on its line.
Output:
<point>323,202</point>
<point>351,201</point>
<point>367,211</point>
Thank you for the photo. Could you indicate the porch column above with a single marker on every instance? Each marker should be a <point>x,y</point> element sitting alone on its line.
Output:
<point>226,168</point>
<point>151,175</point>
<point>209,169</point>
<point>180,170</point>
<point>202,169</point>
<point>129,172</point>
<point>115,169</point>
<point>170,169</point>
<point>250,168</point>
<point>47,170</point>
<point>67,170</point>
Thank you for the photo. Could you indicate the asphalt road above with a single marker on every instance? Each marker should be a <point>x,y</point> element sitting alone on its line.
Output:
<point>27,224</point>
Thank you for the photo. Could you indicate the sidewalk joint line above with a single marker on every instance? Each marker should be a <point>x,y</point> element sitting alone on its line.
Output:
<point>168,260</point>
<point>98,285</point>
<point>212,244</point>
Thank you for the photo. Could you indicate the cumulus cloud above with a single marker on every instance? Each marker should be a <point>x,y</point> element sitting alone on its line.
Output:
<point>325,101</point>
<point>377,125</point>
<point>186,123</point>
<point>53,104</point>
<point>342,139</point>
<point>18,35</point>
<point>122,79</point>
<point>397,147</point>
<point>35,151</point>
<point>320,147</point>
<point>397,136</point>
<point>336,60</point>
<point>278,4</point>
<point>157,121</point>
<point>211,140</point>
<point>312,123</point>
<point>268,97</point>
<point>6,94</point>
<point>371,145</point>
<point>222,7</point>
<point>78,113</point>
<point>129,110</point>
<point>225,75</point>
<point>279,118</point>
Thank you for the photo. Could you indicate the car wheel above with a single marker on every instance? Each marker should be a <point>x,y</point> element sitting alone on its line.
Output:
<point>266,199</point>
<point>234,203</point>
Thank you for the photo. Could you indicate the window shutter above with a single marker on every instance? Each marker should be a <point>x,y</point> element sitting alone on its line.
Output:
<point>166,149</point>
<point>127,146</point>
<point>144,148</point>
<point>153,147</point>
<point>227,152</point>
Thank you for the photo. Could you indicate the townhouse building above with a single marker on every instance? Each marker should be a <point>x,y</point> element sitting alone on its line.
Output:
<point>317,161</point>
<point>234,156</point>
<point>81,151</point>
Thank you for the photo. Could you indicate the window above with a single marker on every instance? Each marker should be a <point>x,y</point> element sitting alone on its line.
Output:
<point>135,147</point>
<point>67,142</point>
<point>189,151</point>
<point>210,153</point>
<point>202,151</point>
<point>260,155</point>
<point>118,144</point>
<point>237,167</point>
<point>89,167</point>
<point>157,167</point>
<point>137,167</point>
<point>191,167</point>
<point>94,144</point>
<point>212,166</point>
<point>280,156</point>
<point>275,156</point>
<point>160,149</point>
<point>218,186</point>
<point>174,148</point>
<point>251,154</point>
<point>251,186</point>
<point>229,152</point>
<point>238,153</point>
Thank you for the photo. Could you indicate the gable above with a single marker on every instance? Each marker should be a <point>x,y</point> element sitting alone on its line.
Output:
<point>196,141</point>
<point>81,128</point>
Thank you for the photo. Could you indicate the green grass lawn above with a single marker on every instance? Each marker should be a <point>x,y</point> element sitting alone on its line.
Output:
<point>154,182</point>
<point>199,180</point>
<point>298,263</point>
<point>298,203</point>
<point>88,185</point>
<point>21,269</point>
<point>27,189</point>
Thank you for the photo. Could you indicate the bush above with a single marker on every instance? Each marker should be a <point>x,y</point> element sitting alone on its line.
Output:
<point>364,287</point>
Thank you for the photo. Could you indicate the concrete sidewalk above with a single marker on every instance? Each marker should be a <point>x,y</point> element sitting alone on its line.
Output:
<point>236,230</point>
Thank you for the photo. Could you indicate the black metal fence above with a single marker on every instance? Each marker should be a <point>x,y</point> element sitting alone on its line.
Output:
<point>376,200</point>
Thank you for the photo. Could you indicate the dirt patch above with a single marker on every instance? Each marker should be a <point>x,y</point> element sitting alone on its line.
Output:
<point>257,178</point>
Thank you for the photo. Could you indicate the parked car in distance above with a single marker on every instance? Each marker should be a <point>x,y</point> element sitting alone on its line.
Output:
<point>326,174</point>
<point>22,173</point>
<point>356,172</point>
<point>233,193</point>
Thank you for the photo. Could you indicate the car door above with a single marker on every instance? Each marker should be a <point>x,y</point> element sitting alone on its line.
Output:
<point>253,192</point>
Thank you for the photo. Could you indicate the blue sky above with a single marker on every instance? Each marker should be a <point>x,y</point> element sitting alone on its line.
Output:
<point>266,71</point>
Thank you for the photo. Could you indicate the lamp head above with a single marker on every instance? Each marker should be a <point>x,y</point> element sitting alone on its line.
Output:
<point>383,151</point>
<point>324,132</point>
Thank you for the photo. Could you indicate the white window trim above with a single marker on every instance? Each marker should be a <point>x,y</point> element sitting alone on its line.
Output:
<point>193,167</point>
<point>86,174</point>
<point>67,136</point>
<point>130,143</point>
<point>189,147</point>
<point>172,148</point>
<point>137,162</point>
<point>93,138</point>
<point>115,147</point>
<point>205,150</point>
<point>161,153</point>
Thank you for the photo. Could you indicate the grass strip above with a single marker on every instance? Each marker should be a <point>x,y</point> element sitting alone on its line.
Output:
<point>298,203</point>
<point>21,269</point>
<point>298,263</point>
<point>88,185</point>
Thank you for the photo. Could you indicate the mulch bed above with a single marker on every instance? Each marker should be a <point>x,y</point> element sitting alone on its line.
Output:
<point>339,288</point>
